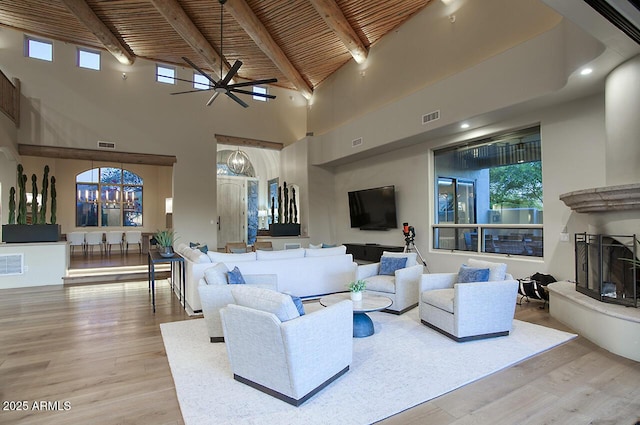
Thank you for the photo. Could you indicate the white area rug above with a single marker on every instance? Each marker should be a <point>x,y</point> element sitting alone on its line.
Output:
<point>403,364</point>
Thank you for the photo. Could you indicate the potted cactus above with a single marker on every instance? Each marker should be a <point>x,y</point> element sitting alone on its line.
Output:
<point>18,230</point>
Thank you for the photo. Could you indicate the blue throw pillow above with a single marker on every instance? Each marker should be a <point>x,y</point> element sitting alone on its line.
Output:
<point>468,274</point>
<point>324,245</point>
<point>298,302</point>
<point>234,277</point>
<point>389,265</point>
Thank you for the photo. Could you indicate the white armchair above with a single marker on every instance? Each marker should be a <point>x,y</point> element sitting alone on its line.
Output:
<point>217,294</point>
<point>273,349</point>
<point>469,311</point>
<point>401,287</point>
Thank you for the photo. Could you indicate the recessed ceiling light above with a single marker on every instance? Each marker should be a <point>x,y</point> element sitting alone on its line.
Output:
<point>586,71</point>
<point>464,125</point>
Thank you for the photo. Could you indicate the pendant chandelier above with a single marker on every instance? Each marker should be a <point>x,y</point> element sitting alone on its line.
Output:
<point>238,162</point>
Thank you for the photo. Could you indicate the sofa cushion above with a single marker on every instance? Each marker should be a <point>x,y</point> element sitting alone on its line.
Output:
<point>280,255</point>
<point>468,274</point>
<point>312,246</point>
<point>197,245</point>
<point>225,257</point>
<point>266,300</point>
<point>216,275</point>
<point>234,277</point>
<point>410,256</point>
<point>381,283</point>
<point>389,265</point>
<point>497,271</point>
<point>326,252</point>
<point>440,298</point>
<point>196,256</point>
<point>298,302</point>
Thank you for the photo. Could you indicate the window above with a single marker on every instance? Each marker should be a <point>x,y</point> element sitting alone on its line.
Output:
<point>108,197</point>
<point>38,49</point>
<point>261,90</point>
<point>165,74</point>
<point>201,82</point>
<point>489,195</point>
<point>89,59</point>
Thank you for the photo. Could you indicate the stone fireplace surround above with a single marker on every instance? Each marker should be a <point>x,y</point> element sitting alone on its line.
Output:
<point>612,209</point>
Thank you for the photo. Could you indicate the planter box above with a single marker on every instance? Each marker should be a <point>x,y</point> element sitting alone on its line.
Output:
<point>21,233</point>
<point>284,229</point>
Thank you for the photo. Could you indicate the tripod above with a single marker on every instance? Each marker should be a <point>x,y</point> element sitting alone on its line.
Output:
<point>409,243</point>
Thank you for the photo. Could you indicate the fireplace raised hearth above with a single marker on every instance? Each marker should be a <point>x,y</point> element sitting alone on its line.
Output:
<point>603,268</point>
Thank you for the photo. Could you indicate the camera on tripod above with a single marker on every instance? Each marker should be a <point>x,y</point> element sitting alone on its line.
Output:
<point>409,241</point>
<point>409,233</point>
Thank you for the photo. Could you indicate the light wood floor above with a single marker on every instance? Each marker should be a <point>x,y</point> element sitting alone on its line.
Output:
<point>99,348</point>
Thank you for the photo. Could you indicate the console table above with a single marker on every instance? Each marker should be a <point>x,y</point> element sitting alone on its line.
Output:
<point>370,252</point>
<point>176,259</point>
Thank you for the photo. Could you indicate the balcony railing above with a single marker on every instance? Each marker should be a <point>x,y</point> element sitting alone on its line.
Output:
<point>10,98</point>
<point>508,239</point>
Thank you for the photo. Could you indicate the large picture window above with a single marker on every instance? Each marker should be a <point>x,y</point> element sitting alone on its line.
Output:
<point>489,195</point>
<point>108,197</point>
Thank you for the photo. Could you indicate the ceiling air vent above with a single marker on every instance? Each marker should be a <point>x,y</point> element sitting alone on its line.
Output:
<point>357,142</point>
<point>106,145</point>
<point>11,264</point>
<point>431,116</point>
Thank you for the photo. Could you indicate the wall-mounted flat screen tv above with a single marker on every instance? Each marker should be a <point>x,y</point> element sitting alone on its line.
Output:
<point>373,209</point>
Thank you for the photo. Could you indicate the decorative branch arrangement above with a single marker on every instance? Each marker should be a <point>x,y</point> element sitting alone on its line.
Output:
<point>287,208</point>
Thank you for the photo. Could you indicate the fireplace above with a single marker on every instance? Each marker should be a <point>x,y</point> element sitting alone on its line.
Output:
<point>603,270</point>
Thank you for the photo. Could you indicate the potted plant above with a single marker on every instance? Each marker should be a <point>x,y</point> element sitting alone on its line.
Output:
<point>356,289</point>
<point>165,239</point>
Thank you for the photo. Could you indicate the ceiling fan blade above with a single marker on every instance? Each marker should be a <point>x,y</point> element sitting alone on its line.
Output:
<point>254,83</point>
<point>232,73</point>
<point>197,68</point>
<point>212,98</point>
<point>268,96</point>
<point>192,91</point>
<point>237,99</point>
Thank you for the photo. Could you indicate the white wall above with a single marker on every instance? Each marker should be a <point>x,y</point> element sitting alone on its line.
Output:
<point>573,158</point>
<point>63,105</point>
<point>44,264</point>
<point>429,48</point>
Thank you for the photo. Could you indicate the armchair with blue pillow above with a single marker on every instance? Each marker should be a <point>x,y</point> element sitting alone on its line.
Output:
<point>396,276</point>
<point>215,293</point>
<point>274,349</point>
<point>476,302</point>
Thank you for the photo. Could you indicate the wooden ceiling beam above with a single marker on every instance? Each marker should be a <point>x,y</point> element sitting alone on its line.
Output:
<point>243,141</point>
<point>184,26</point>
<point>335,19</point>
<point>96,155</point>
<point>83,12</point>
<point>248,20</point>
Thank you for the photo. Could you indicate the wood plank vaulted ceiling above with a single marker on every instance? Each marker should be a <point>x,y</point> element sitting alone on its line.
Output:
<point>299,42</point>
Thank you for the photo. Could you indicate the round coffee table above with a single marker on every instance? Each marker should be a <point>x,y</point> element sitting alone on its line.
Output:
<point>362,324</point>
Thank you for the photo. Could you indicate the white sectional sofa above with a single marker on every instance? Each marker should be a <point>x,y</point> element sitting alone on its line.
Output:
<point>301,272</point>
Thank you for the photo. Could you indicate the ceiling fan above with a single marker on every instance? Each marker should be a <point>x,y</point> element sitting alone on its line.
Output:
<point>222,85</point>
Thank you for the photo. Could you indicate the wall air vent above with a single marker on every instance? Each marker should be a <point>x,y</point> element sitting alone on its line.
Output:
<point>106,145</point>
<point>357,142</point>
<point>11,264</point>
<point>431,116</point>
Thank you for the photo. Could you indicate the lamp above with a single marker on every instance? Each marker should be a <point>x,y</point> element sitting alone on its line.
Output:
<point>262,214</point>
<point>238,162</point>
<point>168,209</point>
